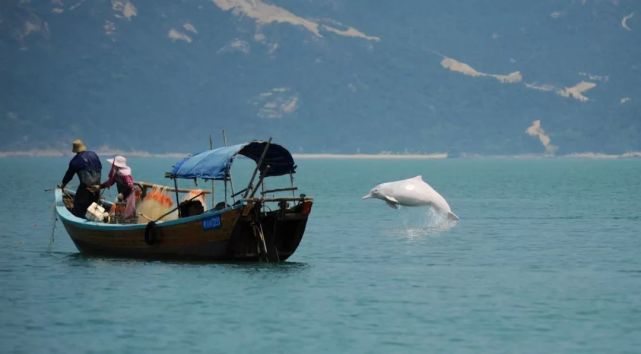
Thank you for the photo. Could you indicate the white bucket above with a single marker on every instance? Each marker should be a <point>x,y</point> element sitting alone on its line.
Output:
<point>96,213</point>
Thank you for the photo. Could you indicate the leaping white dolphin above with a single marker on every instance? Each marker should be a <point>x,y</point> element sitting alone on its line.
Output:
<point>411,192</point>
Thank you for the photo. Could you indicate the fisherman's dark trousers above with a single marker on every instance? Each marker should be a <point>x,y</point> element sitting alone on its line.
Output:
<point>83,200</point>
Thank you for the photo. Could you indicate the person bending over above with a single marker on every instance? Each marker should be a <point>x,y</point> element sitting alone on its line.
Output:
<point>120,174</point>
<point>87,166</point>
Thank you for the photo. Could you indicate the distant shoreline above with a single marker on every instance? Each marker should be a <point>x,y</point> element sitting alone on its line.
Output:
<point>57,153</point>
<point>319,156</point>
<point>332,156</point>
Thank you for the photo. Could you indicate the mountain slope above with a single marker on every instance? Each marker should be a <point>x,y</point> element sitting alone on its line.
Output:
<point>322,76</point>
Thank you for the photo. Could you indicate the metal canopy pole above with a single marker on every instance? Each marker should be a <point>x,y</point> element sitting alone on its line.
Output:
<point>227,172</point>
<point>213,204</point>
<point>231,186</point>
<point>177,199</point>
<point>258,165</point>
<point>260,180</point>
<point>291,179</point>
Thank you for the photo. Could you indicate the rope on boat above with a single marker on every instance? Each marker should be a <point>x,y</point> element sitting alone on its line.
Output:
<point>257,229</point>
<point>262,246</point>
<point>52,237</point>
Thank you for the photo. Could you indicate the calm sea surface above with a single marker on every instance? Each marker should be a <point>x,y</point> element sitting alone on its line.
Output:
<point>545,259</point>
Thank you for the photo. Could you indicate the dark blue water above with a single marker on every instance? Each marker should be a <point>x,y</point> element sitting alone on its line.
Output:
<point>545,258</point>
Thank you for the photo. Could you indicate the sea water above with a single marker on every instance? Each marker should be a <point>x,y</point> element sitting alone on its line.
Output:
<point>545,259</point>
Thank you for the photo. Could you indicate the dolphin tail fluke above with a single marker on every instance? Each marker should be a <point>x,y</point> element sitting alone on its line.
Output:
<point>452,216</point>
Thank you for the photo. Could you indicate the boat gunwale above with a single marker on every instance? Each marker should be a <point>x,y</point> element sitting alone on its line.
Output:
<point>67,216</point>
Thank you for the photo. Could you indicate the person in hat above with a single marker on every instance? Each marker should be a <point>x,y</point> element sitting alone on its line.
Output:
<point>87,166</point>
<point>120,174</point>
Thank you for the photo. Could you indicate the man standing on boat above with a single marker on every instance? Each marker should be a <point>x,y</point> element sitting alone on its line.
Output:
<point>88,167</point>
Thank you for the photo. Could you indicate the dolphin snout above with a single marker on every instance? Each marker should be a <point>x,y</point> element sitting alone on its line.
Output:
<point>367,196</point>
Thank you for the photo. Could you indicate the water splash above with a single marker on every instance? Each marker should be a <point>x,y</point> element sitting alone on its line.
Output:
<point>420,222</point>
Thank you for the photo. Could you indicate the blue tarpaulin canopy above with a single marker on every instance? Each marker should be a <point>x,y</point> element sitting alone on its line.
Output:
<point>215,164</point>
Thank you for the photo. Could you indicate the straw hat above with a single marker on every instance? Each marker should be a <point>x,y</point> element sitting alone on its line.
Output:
<point>78,146</point>
<point>119,161</point>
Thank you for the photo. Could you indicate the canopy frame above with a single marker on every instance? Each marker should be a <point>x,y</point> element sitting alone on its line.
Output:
<point>215,164</point>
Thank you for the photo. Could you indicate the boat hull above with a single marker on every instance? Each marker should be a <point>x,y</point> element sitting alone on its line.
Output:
<point>225,235</point>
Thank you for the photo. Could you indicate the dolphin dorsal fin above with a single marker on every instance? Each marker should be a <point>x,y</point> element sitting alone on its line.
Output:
<point>419,177</point>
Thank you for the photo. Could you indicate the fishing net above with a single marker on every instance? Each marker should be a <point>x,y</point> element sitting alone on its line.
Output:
<point>156,204</point>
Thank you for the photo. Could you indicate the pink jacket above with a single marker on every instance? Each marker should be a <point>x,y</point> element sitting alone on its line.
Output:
<point>125,184</point>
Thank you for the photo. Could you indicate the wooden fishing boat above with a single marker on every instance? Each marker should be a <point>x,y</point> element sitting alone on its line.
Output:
<point>260,225</point>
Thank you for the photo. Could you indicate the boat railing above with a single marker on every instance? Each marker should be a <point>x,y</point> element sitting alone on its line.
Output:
<point>276,190</point>
<point>264,199</point>
<point>147,185</point>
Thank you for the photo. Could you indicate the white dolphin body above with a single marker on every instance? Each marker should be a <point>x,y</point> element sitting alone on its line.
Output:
<point>411,192</point>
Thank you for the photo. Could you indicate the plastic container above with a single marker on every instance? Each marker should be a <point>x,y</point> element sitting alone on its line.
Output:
<point>96,213</point>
